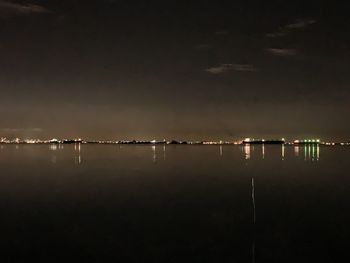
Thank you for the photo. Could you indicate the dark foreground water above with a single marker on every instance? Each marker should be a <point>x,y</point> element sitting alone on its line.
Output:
<point>174,203</point>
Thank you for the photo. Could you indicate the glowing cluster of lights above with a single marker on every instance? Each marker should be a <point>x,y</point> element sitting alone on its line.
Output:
<point>215,142</point>
<point>308,141</point>
<point>4,140</point>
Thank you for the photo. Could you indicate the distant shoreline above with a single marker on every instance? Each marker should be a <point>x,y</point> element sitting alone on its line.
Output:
<point>180,144</point>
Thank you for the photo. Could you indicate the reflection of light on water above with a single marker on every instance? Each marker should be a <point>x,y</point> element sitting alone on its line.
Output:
<point>282,152</point>
<point>53,147</point>
<point>77,148</point>
<point>220,150</point>
<point>246,150</point>
<point>154,153</point>
<point>164,152</point>
<point>311,152</point>
<point>263,151</point>
<point>296,151</point>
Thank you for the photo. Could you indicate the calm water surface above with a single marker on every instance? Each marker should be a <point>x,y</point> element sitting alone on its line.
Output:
<point>174,203</point>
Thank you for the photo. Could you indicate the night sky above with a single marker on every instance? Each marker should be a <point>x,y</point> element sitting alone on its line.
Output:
<point>109,69</point>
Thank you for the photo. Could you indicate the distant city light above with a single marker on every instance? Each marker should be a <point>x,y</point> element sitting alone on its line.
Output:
<point>4,140</point>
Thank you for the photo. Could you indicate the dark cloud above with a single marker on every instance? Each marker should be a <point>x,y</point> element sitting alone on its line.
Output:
<point>282,51</point>
<point>280,33</point>
<point>286,29</point>
<point>223,68</point>
<point>301,24</point>
<point>10,8</point>
<point>117,69</point>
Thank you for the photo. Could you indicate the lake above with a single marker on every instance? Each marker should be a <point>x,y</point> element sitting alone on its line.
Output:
<point>174,203</point>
